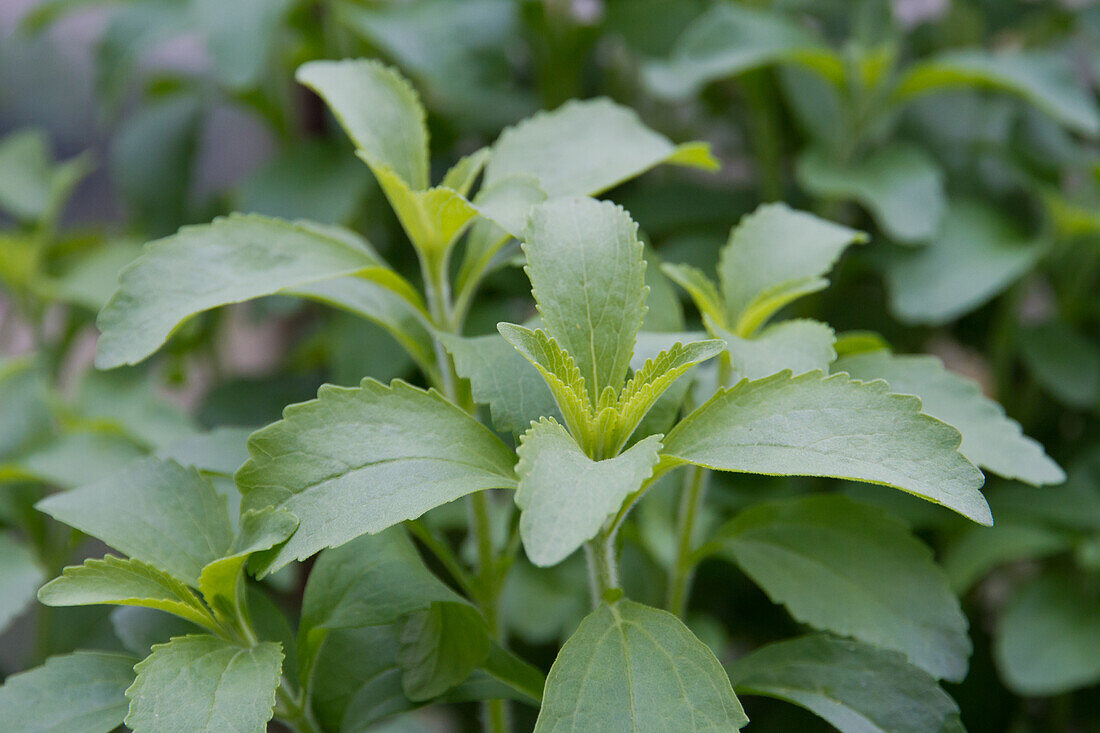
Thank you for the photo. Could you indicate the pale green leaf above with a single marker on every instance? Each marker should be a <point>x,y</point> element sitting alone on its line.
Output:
<point>74,459</point>
<point>20,576</point>
<point>1044,78</point>
<point>219,451</point>
<point>774,255</point>
<point>139,629</point>
<point>561,374</point>
<point>990,438</point>
<point>502,378</point>
<point>202,684</point>
<point>831,426</point>
<point>703,291</point>
<point>380,112</point>
<point>588,278</point>
<point>83,691</point>
<point>852,569</point>
<point>565,496</point>
<point>24,411</point>
<point>1048,640</point>
<point>630,667</point>
<point>154,511</point>
<point>421,452</point>
<point>900,184</point>
<point>460,177</point>
<point>800,345</point>
<point>120,582</point>
<point>584,148</point>
<point>855,687</point>
<point>730,40</point>
<point>976,551</point>
<point>241,36</point>
<point>977,254</point>
<point>433,218</point>
<point>32,186</point>
<point>91,280</point>
<point>440,647</point>
<point>202,267</point>
<point>132,404</point>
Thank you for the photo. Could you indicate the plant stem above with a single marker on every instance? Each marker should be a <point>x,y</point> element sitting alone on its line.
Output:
<point>603,573</point>
<point>445,555</point>
<point>683,565</point>
<point>763,138</point>
<point>292,711</point>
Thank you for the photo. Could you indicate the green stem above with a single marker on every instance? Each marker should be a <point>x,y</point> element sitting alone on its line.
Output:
<point>683,565</point>
<point>603,573</point>
<point>293,712</point>
<point>445,555</point>
<point>763,121</point>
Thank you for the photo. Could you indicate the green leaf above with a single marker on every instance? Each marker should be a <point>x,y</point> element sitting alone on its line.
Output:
<point>422,452</point>
<point>139,629</point>
<point>440,647</point>
<point>814,425</point>
<point>1045,79</point>
<point>566,496</point>
<point>502,378</point>
<point>202,267</point>
<point>506,668</point>
<point>773,256</point>
<point>130,403</point>
<point>1063,361</point>
<point>74,459</point>
<point>900,184</point>
<point>1048,640</point>
<point>155,511</point>
<point>120,582</point>
<point>24,411</point>
<point>372,580</point>
<point>220,581</point>
<point>357,681</point>
<point>32,186</point>
<point>852,569</point>
<point>460,177</point>
<point>241,36</point>
<point>972,554</point>
<point>990,438</point>
<point>82,691</point>
<point>562,376</point>
<point>631,667</point>
<point>588,278</point>
<point>20,576</point>
<point>853,686</point>
<point>703,291</point>
<point>657,375</point>
<point>90,280</point>
<point>586,147</point>
<point>204,684</point>
<point>800,345</point>
<point>220,451</point>
<point>976,255</point>
<point>729,40</point>
<point>380,112</point>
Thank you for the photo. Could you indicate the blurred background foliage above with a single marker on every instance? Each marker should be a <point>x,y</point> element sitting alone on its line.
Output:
<point>961,134</point>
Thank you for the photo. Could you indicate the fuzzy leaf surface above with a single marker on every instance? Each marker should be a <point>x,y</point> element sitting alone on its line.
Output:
<point>631,667</point>
<point>421,452</point>
<point>813,425</point>
<point>800,345</point>
<point>566,496</point>
<point>990,438</point>
<point>204,684</point>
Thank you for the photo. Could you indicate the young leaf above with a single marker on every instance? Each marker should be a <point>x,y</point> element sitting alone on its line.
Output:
<point>83,691</point>
<point>852,569</point>
<point>900,184</point>
<point>422,452</point>
<point>565,495</point>
<point>1048,640</point>
<point>461,176</point>
<point>990,438</point>
<point>20,576</point>
<point>703,291</point>
<point>561,374</point>
<point>855,687</point>
<point>379,110</point>
<point>729,40</point>
<point>504,379</point>
<point>440,647</point>
<point>800,345</point>
<point>976,255</point>
<point>588,278</point>
<point>631,667</point>
<point>586,147</point>
<point>1044,78</point>
<point>116,581</point>
<point>774,255</point>
<point>155,511</point>
<point>203,684</point>
<point>202,267</point>
<point>814,425</point>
